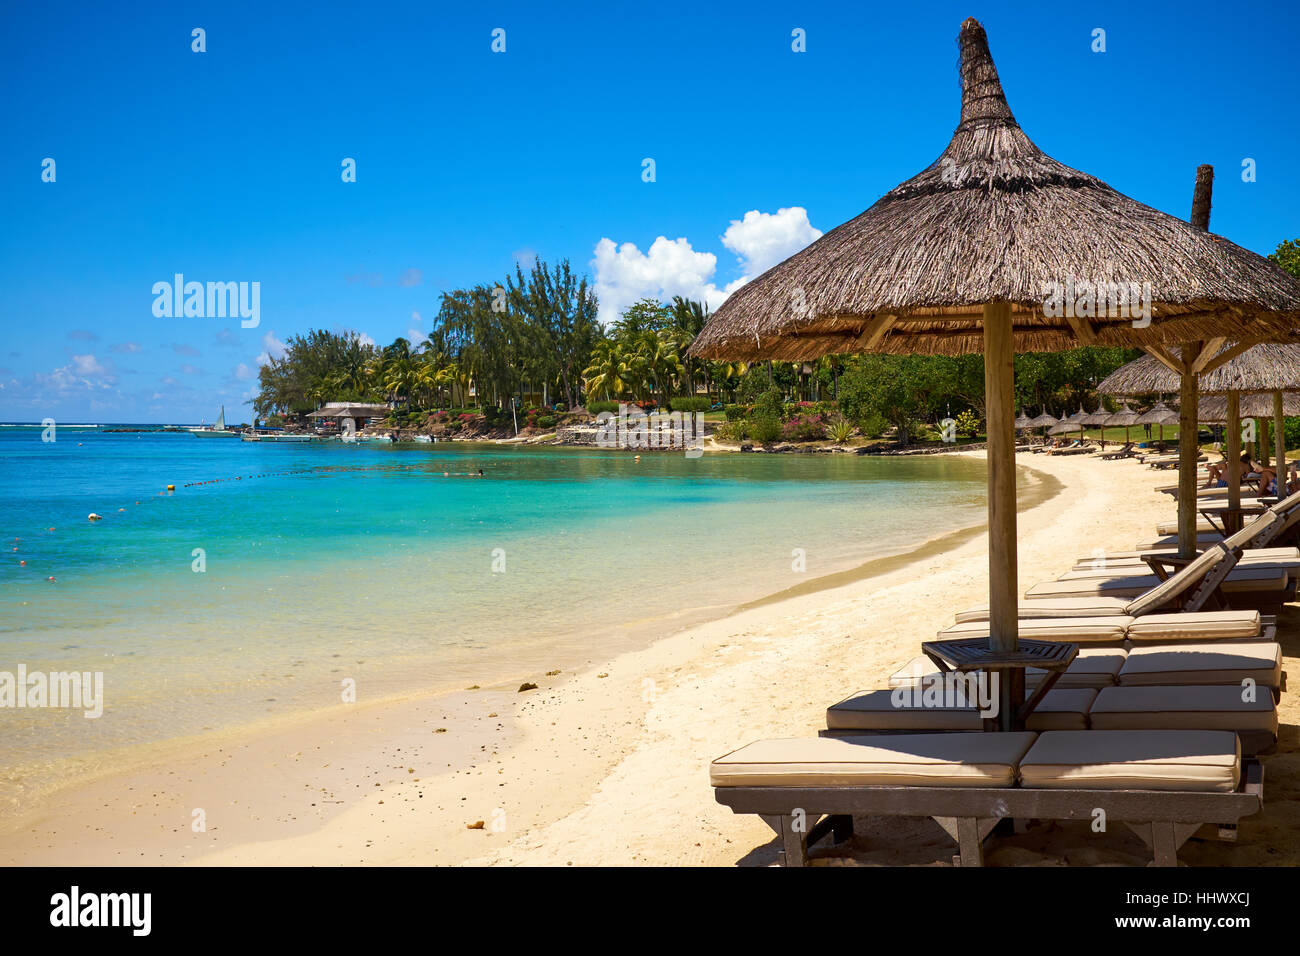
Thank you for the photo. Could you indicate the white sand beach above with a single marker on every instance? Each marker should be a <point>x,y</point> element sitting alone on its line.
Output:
<point>609,766</point>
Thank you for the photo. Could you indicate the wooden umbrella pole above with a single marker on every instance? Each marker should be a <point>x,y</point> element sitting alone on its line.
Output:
<point>1234,450</point>
<point>1004,605</point>
<point>1279,444</point>
<point>1188,426</point>
<point>1188,453</point>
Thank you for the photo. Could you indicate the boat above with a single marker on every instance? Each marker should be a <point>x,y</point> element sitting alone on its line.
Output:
<point>219,430</point>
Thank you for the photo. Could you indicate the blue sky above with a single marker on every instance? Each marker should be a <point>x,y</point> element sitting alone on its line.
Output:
<point>225,165</point>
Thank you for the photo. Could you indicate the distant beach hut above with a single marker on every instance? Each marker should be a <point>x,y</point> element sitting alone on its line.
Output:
<point>973,255</point>
<point>1261,370</point>
<point>358,412</point>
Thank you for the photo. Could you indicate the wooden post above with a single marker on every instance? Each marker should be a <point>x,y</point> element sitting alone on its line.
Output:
<point>1234,450</point>
<point>1279,444</point>
<point>1188,452</point>
<point>1004,584</point>
<point>1188,426</point>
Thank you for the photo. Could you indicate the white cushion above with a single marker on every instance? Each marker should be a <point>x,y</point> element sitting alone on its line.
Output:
<point>1204,663</point>
<point>919,760</point>
<point>1201,760</point>
<point>1186,707</point>
<point>1199,625</point>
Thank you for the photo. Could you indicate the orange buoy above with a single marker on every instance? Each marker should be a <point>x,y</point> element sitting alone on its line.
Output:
<point>50,578</point>
<point>22,564</point>
<point>171,487</point>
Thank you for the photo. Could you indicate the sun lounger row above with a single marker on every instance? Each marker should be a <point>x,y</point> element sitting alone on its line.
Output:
<point>1228,663</point>
<point>1207,626</point>
<point>1165,784</point>
<point>1249,711</point>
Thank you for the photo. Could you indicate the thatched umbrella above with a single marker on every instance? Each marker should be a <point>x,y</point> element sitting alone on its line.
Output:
<point>1159,414</point>
<point>1098,418</point>
<point>1022,421</point>
<point>978,253</point>
<point>1126,417</point>
<point>1045,420</point>
<point>1214,408</point>
<point>1262,369</point>
<point>1078,419</point>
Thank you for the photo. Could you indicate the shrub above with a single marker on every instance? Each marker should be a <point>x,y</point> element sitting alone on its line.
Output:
<point>733,431</point>
<point>765,429</point>
<point>769,404</point>
<point>595,408</point>
<point>841,430</point>
<point>689,404</point>
<point>968,423</point>
<point>873,424</point>
<point>546,421</point>
<point>735,413</point>
<point>805,428</point>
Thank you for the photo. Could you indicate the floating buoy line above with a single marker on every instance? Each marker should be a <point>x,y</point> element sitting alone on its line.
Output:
<point>94,517</point>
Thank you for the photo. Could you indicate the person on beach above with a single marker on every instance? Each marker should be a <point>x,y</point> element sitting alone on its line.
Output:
<point>1218,474</point>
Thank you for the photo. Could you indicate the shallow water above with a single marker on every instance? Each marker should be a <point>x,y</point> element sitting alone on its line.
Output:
<point>394,566</point>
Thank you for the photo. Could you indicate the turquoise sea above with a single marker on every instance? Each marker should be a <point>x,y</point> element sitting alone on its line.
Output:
<point>393,565</point>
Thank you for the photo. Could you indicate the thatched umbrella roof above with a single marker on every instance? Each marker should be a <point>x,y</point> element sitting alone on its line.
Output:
<point>1123,418</point>
<point>995,219</point>
<point>1064,426</point>
<point>1264,368</point>
<point>1022,421</point>
<point>1158,414</point>
<point>1214,409</point>
<point>1098,417</point>
<point>1043,420</point>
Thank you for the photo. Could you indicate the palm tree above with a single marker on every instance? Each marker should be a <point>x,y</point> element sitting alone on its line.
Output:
<point>609,373</point>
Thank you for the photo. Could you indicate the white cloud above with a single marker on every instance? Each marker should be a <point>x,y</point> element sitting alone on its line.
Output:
<point>411,277</point>
<point>759,240</point>
<point>671,267</point>
<point>243,372</point>
<point>272,347</point>
<point>365,339</point>
<point>88,365</point>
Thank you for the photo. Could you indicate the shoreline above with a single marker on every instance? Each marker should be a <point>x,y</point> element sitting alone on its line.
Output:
<point>122,767</point>
<point>605,765</point>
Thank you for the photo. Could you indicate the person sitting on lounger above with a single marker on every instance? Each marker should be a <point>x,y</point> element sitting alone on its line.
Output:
<point>1218,474</point>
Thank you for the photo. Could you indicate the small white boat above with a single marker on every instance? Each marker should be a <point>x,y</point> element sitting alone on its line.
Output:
<point>423,439</point>
<point>218,430</point>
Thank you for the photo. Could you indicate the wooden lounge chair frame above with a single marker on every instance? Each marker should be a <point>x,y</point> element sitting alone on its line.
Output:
<point>1164,819</point>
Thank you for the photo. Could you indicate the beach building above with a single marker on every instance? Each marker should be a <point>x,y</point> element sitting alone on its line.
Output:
<point>359,412</point>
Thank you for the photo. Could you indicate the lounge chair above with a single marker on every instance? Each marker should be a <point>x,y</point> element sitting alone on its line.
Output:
<point>1189,627</point>
<point>1266,533</point>
<point>1125,452</point>
<point>1197,586</point>
<point>1165,784</point>
<point>1162,706</point>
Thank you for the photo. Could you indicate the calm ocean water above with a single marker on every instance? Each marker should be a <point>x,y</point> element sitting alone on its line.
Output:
<point>383,564</point>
